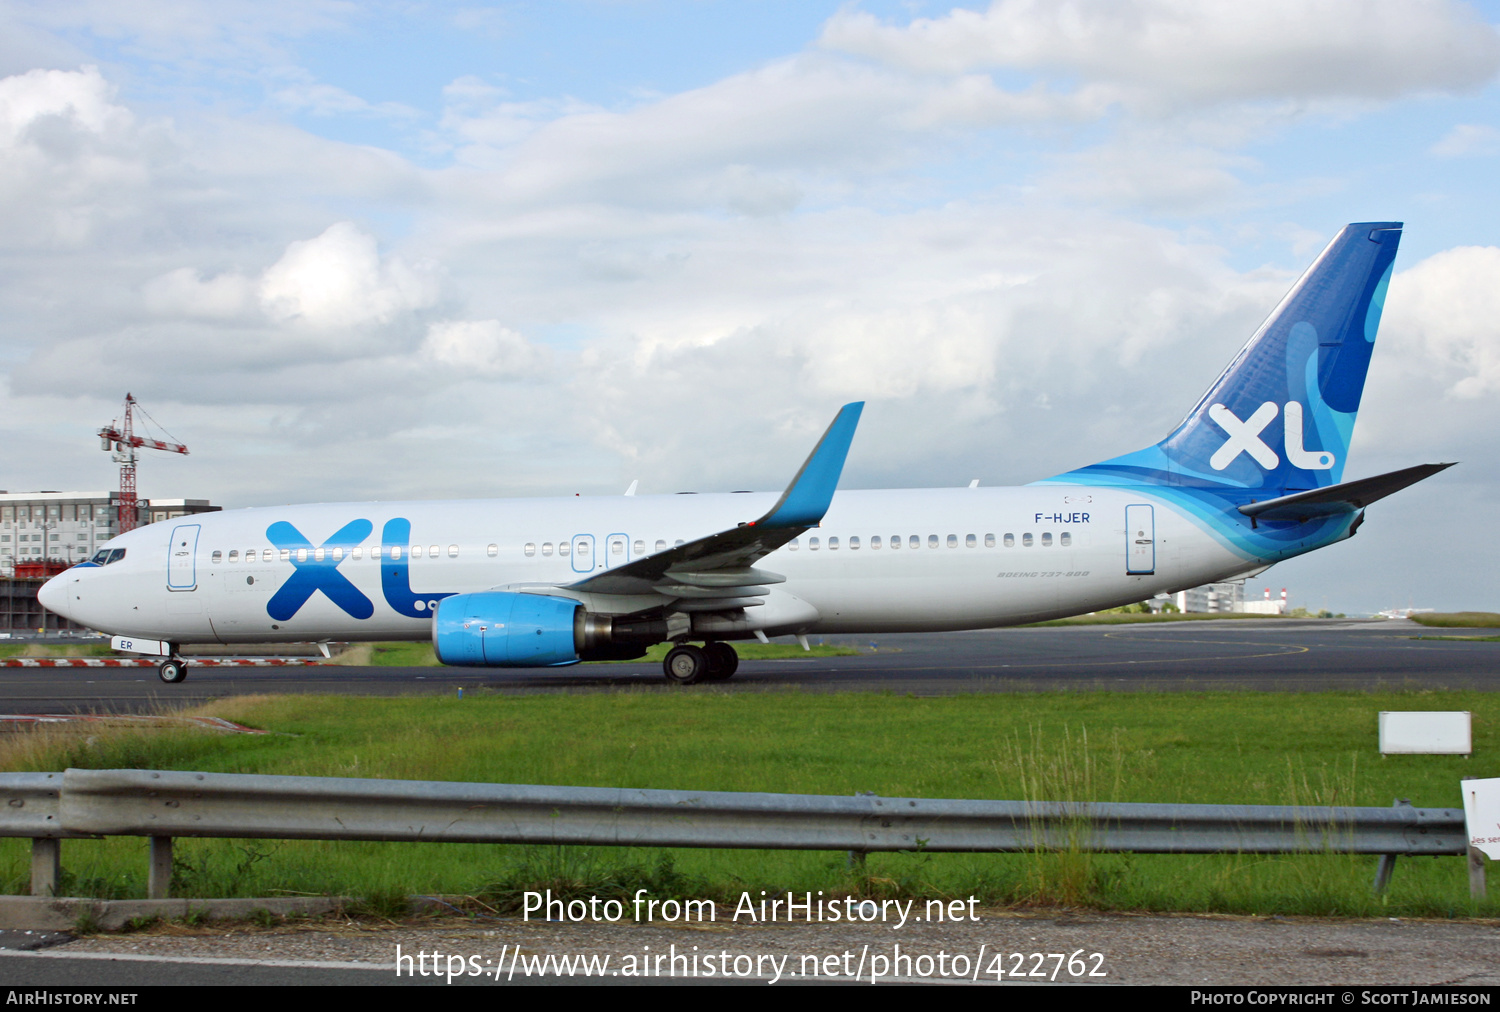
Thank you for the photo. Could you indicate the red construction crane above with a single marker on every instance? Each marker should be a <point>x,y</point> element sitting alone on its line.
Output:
<point>121,438</point>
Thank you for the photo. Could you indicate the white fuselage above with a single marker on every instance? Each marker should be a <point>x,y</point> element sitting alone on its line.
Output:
<point>983,557</point>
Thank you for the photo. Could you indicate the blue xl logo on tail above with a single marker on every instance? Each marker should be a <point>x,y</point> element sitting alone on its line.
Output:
<point>1244,437</point>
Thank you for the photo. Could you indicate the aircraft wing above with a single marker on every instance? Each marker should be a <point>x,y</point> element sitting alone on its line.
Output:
<point>1343,498</point>
<point>717,571</point>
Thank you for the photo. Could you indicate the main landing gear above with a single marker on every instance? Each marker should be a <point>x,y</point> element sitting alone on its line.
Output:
<point>713,662</point>
<point>172,670</point>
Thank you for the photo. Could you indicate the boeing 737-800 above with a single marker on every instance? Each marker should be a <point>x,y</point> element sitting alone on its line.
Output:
<point>1251,476</point>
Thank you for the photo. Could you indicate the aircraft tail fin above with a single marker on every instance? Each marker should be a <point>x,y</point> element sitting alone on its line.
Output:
<point>1281,415</point>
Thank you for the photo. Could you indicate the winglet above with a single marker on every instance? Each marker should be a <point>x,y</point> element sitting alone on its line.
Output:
<point>806,499</point>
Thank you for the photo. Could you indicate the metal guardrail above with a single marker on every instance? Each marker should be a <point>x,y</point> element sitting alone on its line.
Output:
<point>163,805</point>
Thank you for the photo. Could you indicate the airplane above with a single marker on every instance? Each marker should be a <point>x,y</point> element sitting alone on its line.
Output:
<point>1251,476</point>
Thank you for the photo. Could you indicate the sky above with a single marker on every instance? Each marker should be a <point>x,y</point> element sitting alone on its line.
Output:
<point>403,249</point>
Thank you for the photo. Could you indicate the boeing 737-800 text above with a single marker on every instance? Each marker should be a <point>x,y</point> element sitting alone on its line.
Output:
<point>1251,476</point>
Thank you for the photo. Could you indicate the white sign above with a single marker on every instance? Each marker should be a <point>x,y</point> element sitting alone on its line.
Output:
<point>1482,815</point>
<point>1416,732</point>
<point>131,645</point>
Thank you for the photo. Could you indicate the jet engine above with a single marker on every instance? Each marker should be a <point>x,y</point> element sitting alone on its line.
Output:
<point>501,629</point>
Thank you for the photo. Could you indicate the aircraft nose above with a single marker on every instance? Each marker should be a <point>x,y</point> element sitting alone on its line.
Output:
<point>53,595</point>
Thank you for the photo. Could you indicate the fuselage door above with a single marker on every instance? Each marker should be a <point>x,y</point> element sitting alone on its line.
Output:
<point>1140,540</point>
<point>182,555</point>
<point>583,553</point>
<point>616,551</point>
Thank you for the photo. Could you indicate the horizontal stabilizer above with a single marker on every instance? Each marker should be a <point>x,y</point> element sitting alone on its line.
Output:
<point>1344,498</point>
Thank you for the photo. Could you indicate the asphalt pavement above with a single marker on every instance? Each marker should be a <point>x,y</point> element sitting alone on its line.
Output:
<point>1257,654</point>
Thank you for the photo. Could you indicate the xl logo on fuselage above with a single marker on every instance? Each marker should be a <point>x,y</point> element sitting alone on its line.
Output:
<point>317,569</point>
<point>1244,437</point>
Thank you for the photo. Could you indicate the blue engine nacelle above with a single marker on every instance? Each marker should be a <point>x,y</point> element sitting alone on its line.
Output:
<point>498,629</point>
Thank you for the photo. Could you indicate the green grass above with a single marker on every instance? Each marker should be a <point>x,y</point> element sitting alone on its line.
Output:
<point>56,650</point>
<point>1220,747</point>
<point>1458,619</point>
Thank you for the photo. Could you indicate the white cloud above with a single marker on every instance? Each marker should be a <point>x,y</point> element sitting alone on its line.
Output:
<point>1443,319</point>
<point>184,292</point>
<point>748,141</point>
<point>1468,139</point>
<point>66,149</point>
<point>304,93</point>
<point>80,98</point>
<point>1174,52</point>
<point>338,280</point>
<point>480,349</point>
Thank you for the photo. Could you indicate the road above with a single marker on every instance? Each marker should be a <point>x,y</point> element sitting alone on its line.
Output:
<point>1265,654</point>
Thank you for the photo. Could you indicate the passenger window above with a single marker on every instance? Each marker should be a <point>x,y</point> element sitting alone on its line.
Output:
<point>989,541</point>
<point>970,541</point>
<point>640,548</point>
<point>217,556</point>
<point>661,546</point>
<point>854,544</point>
<point>914,542</point>
<point>452,551</point>
<point>433,552</point>
<point>617,546</point>
<point>932,541</point>
<point>792,545</point>
<point>953,541</point>
<point>833,544</point>
<point>356,553</point>
<point>338,553</point>
<point>234,555</point>
<point>286,554</point>
<point>302,555</point>
<point>546,548</point>
<point>1046,539</point>
<point>677,543</point>
<point>564,548</point>
<point>895,542</point>
<point>812,544</point>
<point>1065,538</point>
<point>875,542</point>
<point>492,551</point>
<point>1025,540</point>
<point>1010,541</point>
<point>529,549</point>
<point>416,551</point>
<point>583,548</point>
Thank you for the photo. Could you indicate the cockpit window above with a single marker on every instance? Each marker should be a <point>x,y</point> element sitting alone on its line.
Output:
<point>105,556</point>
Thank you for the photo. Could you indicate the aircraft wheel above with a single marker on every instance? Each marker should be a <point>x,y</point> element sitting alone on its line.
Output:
<point>172,670</point>
<point>722,661</point>
<point>685,665</point>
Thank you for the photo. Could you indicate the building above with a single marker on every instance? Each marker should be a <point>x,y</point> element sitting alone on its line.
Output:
<point>67,527</point>
<point>1267,605</point>
<point>1220,598</point>
<point>1212,598</point>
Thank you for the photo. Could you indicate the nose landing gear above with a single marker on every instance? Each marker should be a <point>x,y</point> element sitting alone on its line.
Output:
<point>172,670</point>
